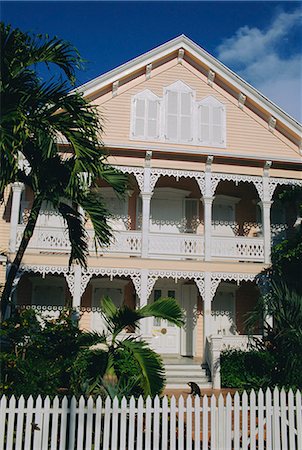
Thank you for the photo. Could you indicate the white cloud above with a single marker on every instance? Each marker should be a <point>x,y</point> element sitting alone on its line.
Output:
<point>256,56</point>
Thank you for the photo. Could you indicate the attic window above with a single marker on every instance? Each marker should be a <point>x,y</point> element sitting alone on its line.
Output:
<point>179,109</point>
<point>178,118</point>
<point>145,115</point>
<point>211,122</point>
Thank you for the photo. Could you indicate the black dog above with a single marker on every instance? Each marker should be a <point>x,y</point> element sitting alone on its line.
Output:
<point>194,388</point>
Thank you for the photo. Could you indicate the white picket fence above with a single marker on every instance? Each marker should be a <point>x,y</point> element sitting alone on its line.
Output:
<point>255,421</point>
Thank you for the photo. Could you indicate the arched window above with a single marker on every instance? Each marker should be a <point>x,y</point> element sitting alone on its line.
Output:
<point>179,112</point>
<point>211,122</point>
<point>145,115</point>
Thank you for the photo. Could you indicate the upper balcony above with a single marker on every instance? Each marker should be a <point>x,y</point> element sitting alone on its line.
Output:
<point>174,228</point>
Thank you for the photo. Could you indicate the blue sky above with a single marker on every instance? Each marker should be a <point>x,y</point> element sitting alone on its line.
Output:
<point>261,41</point>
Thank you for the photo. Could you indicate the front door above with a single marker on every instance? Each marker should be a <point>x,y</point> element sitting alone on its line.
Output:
<point>188,331</point>
<point>165,335</point>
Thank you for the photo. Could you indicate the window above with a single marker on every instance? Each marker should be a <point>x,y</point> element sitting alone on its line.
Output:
<point>177,117</point>
<point>145,110</point>
<point>179,109</point>
<point>211,127</point>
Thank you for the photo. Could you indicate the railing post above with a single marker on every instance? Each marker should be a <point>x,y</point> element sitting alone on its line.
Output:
<point>207,309</point>
<point>215,369</point>
<point>17,189</point>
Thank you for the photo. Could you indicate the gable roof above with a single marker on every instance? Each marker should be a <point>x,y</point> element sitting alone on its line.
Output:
<point>285,123</point>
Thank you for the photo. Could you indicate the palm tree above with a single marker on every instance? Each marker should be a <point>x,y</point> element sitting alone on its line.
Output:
<point>56,134</point>
<point>111,345</point>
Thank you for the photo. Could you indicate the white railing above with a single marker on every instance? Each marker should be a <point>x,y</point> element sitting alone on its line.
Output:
<point>270,420</point>
<point>46,238</point>
<point>161,245</point>
<point>237,247</point>
<point>176,245</point>
<point>56,240</point>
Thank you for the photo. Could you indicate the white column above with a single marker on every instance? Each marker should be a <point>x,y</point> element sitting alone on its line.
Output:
<point>17,189</point>
<point>266,222</point>
<point>145,323</point>
<point>207,204</point>
<point>207,309</point>
<point>266,213</point>
<point>76,298</point>
<point>146,200</point>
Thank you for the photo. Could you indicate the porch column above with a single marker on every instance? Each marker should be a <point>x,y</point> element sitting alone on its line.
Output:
<point>17,189</point>
<point>266,213</point>
<point>145,328</point>
<point>207,202</point>
<point>146,199</point>
<point>76,298</point>
<point>207,309</point>
<point>266,221</point>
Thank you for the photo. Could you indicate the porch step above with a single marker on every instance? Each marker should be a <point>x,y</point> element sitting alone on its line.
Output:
<point>178,375</point>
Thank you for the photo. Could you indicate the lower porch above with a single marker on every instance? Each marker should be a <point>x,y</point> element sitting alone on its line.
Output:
<point>212,310</point>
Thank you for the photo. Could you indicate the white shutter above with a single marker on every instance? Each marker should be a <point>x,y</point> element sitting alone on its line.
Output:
<point>172,104</point>
<point>152,121</point>
<point>217,125</point>
<point>204,117</point>
<point>185,116</point>
<point>139,117</point>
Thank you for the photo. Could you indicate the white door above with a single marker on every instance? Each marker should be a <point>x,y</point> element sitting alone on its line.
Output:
<point>223,314</point>
<point>188,331</point>
<point>116,295</point>
<point>165,335</point>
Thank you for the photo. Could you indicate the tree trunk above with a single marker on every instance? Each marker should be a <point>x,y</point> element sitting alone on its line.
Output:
<point>28,232</point>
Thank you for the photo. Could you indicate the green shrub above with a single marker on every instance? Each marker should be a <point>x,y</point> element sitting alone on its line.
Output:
<point>246,370</point>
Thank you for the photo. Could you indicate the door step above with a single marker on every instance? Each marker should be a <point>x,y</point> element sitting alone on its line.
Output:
<point>179,375</point>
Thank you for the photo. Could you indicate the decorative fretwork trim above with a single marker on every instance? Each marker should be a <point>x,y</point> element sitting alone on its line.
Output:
<point>157,172</point>
<point>274,182</point>
<point>217,277</point>
<point>43,270</point>
<point>138,172</point>
<point>217,177</point>
<point>134,274</point>
<point>154,275</point>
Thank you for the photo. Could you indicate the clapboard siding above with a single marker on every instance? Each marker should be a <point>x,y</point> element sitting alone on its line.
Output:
<point>247,134</point>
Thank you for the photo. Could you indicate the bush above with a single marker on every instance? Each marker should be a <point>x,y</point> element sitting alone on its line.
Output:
<point>37,355</point>
<point>246,370</point>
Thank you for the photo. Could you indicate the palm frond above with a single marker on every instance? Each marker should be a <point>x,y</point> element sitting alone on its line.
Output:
<point>164,308</point>
<point>77,234</point>
<point>125,317</point>
<point>98,213</point>
<point>152,375</point>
